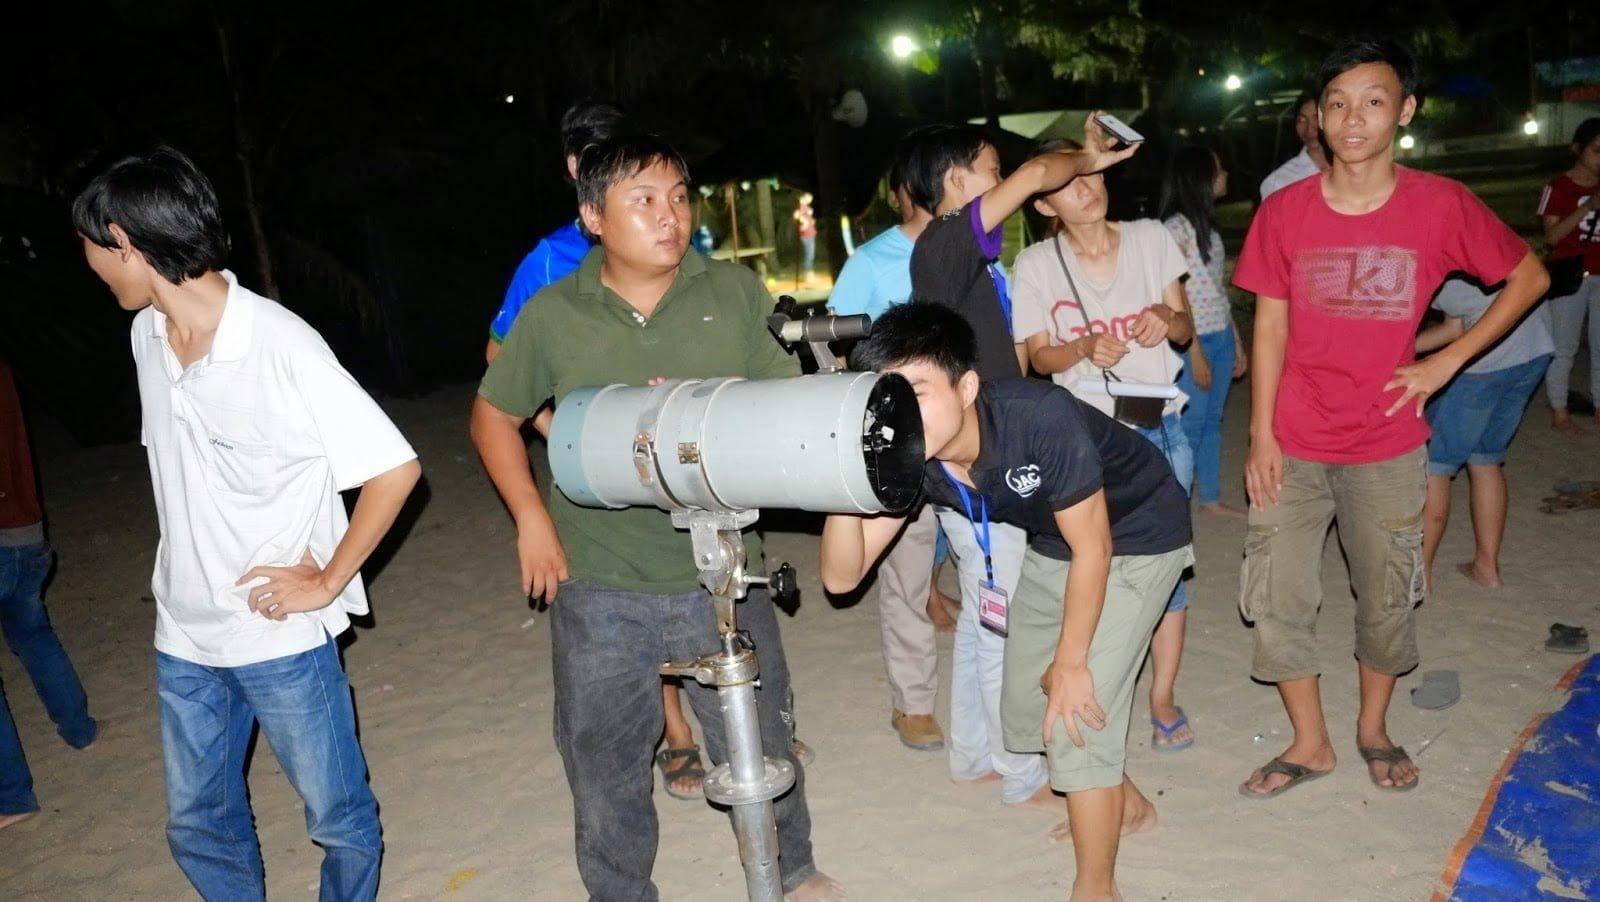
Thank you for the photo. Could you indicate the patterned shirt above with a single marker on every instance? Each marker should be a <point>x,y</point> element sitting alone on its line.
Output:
<point>1207,285</point>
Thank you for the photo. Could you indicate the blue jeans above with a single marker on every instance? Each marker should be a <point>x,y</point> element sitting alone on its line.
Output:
<point>27,630</point>
<point>1174,446</point>
<point>1476,415</point>
<point>1202,419</point>
<point>607,647</point>
<point>303,705</point>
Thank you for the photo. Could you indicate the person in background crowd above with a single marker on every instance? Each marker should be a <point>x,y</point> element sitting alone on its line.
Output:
<point>1195,179</point>
<point>252,429</point>
<point>25,560</point>
<point>1473,421</point>
<point>1312,157</point>
<point>1569,210</point>
<point>1102,300</point>
<point>955,172</point>
<point>805,220</point>
<point>1343,265</point>
<point>910,607</point>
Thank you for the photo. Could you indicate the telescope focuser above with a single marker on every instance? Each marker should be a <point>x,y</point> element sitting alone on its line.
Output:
<point>794,325</point>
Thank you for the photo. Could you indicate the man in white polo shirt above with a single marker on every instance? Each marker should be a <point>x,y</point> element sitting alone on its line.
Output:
<point>1311,159</point>
<point>252,429</point>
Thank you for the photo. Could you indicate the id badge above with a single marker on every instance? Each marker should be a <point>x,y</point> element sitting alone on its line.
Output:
<point>992,605</point>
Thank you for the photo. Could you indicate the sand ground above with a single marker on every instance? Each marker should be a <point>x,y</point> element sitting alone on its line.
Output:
<point>452,685</point>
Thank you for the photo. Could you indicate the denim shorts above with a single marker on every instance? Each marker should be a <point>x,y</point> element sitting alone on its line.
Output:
<point>1474,418</point>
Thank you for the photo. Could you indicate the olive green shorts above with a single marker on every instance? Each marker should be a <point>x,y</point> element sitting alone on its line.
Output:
<point>1137,592</point>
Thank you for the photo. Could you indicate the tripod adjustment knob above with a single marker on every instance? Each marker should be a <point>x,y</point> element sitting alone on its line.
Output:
<point>784,584</point>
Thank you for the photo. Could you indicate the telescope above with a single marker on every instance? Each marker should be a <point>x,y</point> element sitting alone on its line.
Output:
<point>712,453</point>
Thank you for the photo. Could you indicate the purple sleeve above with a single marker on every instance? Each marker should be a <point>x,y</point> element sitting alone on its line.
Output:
<point>988,242</point>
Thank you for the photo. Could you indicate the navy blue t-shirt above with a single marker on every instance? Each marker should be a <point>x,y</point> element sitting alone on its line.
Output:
<point>1041,450</point>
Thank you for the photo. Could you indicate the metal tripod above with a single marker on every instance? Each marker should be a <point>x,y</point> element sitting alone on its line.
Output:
<point>748,781</point>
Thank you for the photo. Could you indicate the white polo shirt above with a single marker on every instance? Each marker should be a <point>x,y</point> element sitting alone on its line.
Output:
<point>249,449</point>
<point>1297,168</point>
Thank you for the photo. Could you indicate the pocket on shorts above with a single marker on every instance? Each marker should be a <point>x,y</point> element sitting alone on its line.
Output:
<point>1402,584</point>
<point>1255,573</point>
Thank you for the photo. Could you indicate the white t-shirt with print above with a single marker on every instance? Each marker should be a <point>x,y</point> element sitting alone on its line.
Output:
<point>1148,260</point>
<point>249,448</point>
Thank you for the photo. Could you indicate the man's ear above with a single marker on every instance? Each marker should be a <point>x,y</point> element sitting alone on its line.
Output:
<point>572,166</point>
<point>953,179</point>
<point>968,386</point>
<point>590,217</point>
<point>124,247</point>
<point>1408,108</point>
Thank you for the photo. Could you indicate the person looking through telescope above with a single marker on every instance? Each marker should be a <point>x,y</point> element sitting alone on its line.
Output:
<point>629,593</point>
<point>1108,536</point>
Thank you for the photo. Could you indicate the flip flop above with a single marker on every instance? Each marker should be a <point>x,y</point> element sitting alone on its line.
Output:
<point>1297,774</point>
<point>1568,640</point>
<point>1165,731</point>
<point>1438,689</point>
<point>676,764</point>
<point>1391,757</point>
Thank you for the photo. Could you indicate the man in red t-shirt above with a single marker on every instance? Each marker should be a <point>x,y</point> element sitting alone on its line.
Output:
<point>1343,265</point>
<point>1569,210</point>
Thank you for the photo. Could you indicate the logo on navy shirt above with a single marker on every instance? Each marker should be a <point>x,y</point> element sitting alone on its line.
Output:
<point>1024,480</point>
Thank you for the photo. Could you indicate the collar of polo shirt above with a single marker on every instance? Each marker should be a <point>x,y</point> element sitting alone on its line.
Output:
<point>233,330</point>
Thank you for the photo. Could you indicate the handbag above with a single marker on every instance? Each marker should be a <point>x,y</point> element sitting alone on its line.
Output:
<point>1566,276</point>
<point>1140,413</point>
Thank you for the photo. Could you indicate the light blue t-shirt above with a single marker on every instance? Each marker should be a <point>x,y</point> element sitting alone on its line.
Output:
<point>876,277</point>
<point>1530,339</point>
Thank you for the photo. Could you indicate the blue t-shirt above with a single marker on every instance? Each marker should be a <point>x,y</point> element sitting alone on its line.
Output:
<point>876,277</point>
<point>552,259</point>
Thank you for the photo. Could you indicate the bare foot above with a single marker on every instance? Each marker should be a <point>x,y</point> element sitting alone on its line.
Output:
<point>1138,816</point>
<point>1044,799</point>
<point>939,611</point>
<point>990,777</point>
<point>7,820</point>
<point>1401,773</point>
<point>1319,758</point>
<point>819,887</point>
<point>1219,509</point>
<point>1487,580</point>
<point>1564,424</point>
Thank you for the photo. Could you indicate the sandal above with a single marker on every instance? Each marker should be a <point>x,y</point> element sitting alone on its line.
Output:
<point>1297,774</point>
<point>679,764</point>
<point>1164,731</point>
<point>1570,640</point>
<point>1390,757</point>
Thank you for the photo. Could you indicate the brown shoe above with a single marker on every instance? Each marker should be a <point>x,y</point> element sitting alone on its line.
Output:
<point>917,731</point>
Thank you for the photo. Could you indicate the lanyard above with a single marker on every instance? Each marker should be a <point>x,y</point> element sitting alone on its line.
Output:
<point>982,536</point>
<point>1002,292</point>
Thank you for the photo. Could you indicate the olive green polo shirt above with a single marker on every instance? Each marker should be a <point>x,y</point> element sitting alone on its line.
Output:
<point>576,333</point>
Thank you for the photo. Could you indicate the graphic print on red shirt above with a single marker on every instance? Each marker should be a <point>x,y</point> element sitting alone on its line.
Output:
<point>1357,287</point>
<point>1559,198</point>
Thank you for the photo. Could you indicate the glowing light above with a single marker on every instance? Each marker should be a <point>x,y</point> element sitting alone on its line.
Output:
<point>1407,142</point>
<point>511,98</point>
<point>1200,72</point>
<point>1531,127</point>
<point>902,46</point>
<point>1233,83</point>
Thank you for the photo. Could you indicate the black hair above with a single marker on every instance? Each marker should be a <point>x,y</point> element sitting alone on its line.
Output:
<point>1186,192</point>
<point>932,151</point>
<point>1587,131</point>
<point>589,122</point>
<point>1368,50</point>
<point>604,164</point>
<point>167,207</point>
<point>1306,96</point>
<point>918,331</point>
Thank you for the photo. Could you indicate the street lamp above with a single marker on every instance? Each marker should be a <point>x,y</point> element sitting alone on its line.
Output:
<point>1233,83</point>
<point>1407,142</point>
<point>511,98</point>
<point>1531,127</point>
<point>902,46</point>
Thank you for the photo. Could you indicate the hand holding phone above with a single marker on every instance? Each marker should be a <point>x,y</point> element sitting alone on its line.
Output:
<point>1118,129</point>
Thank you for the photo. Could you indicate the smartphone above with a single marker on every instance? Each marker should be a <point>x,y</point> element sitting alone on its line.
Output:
<point>1118,129</point>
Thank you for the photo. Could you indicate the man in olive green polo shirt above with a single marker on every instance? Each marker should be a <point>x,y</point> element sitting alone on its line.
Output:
<point>639,308</point>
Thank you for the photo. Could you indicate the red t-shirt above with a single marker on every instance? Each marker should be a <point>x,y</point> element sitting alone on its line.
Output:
<point>1357,287</point>
<point>1560,198</point>
<point>19,497</point>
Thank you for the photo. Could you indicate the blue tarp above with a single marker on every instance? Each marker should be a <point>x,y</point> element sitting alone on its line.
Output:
<point>1542,838</point>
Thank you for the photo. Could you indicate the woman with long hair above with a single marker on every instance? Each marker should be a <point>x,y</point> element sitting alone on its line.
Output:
<point>1195,179</point>
<point>1101,301</point>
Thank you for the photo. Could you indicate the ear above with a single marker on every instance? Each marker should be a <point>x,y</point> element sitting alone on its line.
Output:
<point>954,178</point>
<point>1043,209</point>
<point>572,166</point>
<point>590,216</point>
<point>1408,108</point>
<point>124,247</point>
<point>968,386</point>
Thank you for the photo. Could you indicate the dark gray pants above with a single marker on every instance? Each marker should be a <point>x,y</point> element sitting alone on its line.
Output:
<point>607,647</point>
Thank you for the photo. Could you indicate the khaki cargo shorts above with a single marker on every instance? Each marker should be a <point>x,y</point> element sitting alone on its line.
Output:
<point>1137,592</point>
<point>1378,507</point>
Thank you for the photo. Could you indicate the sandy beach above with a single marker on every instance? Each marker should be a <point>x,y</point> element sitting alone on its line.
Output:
<point>452,686</point>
